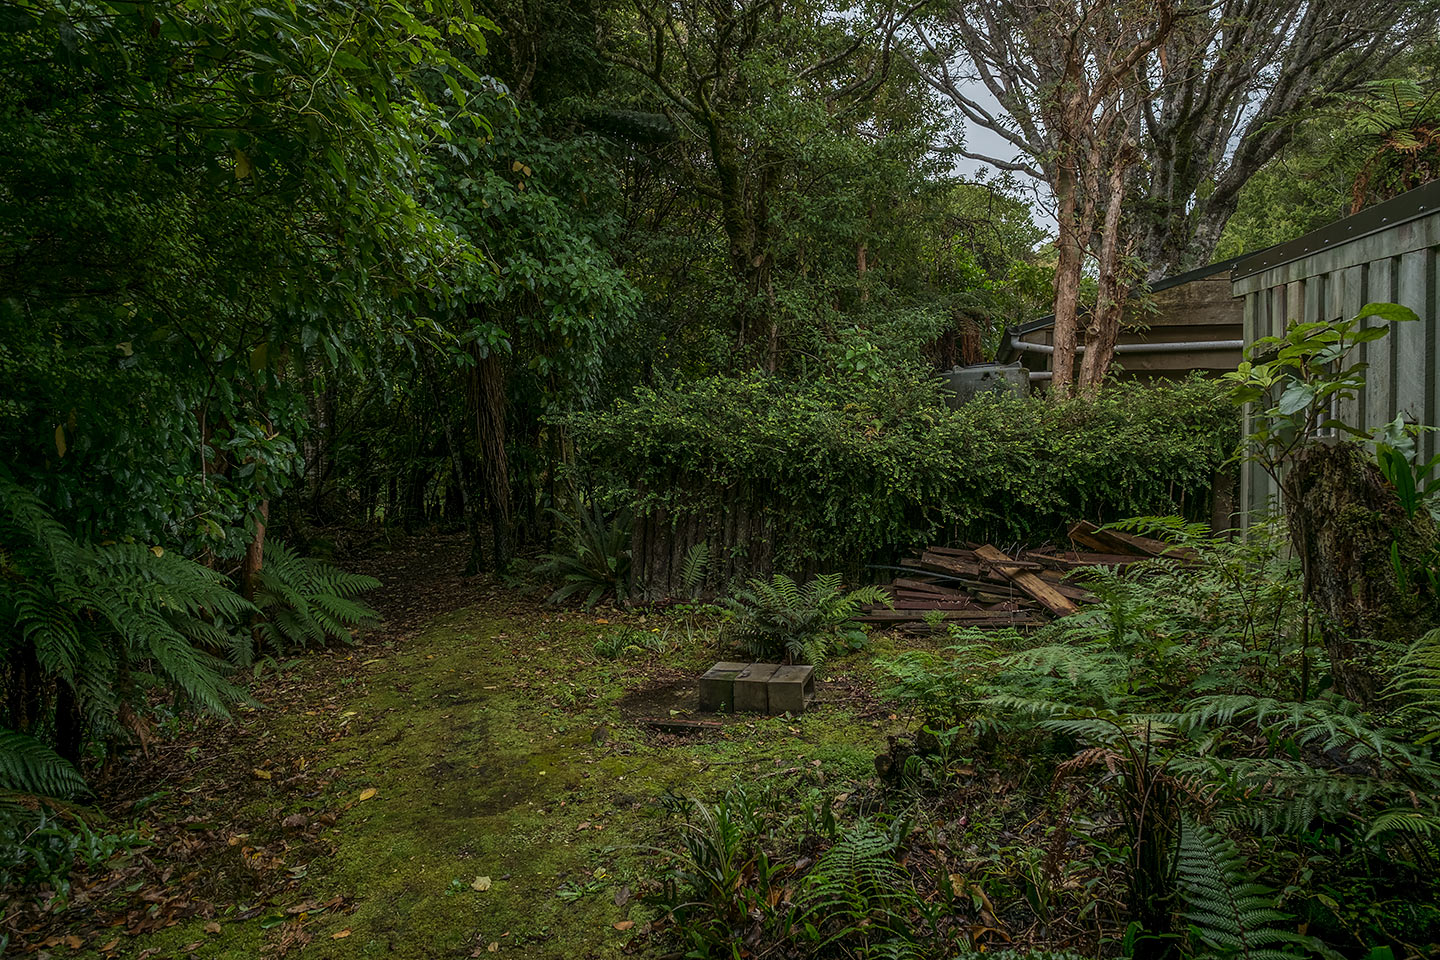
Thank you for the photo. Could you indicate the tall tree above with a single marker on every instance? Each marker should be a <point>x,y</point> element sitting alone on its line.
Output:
<point>717,69</point>
<point>1233,72</point>
<point>1072,79</point>
<point>200,205</point>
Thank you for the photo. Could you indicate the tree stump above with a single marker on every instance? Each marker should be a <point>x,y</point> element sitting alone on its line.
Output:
<point>1344,518</point>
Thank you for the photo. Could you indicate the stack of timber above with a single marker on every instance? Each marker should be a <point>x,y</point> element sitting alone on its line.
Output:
<point>979,585</point>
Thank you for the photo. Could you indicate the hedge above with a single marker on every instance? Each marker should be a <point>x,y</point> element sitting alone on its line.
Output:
<point>834,476</point>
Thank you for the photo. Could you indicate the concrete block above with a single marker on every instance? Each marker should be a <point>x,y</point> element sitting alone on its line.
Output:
<point>791,688</point>
<point>752,688</point>
<point>717,687</point>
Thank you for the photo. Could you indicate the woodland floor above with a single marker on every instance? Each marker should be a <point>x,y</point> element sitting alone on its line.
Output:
<point>471,778</point>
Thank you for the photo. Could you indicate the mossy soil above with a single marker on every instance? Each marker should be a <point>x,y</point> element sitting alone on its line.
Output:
<point>485,785</point>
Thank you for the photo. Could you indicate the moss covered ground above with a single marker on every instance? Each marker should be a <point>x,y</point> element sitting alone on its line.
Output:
<point>483,784</point>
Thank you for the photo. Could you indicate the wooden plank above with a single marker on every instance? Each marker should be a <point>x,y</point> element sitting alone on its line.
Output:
<point>1412,340</point>
<point>959,616</point>
<point>1122,542</point>
<point>1430,317</point>
<point>1380,376</point>
<point>959,552</point>
<point>1076,559</point>
<point>904,583</point>
<point>682,726</point>
<point>949,564</point>
<point>902,593</point>
<point>1352,296</point>
<point>1083,537</point>
<point>1050,598</point>
<point>907,603</point>
<point>1074,591</point>
<point>1012,561</point>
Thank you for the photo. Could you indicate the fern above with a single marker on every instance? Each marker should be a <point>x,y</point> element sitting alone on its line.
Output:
<point>1229,915</point>
<point>598,559</point>
<point>858,884</point>
<point>104,621</point>
<point>1416,685</point>
<point>1418,823</point>
<point>306,601</point>
<point>780,619</point>
<point>692,571</point>
<point>28,766</point>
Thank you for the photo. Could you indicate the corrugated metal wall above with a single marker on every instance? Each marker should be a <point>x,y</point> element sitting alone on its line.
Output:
<point>1329,277</point>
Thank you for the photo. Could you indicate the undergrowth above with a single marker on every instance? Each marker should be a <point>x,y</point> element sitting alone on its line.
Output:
<point>1167,773</point>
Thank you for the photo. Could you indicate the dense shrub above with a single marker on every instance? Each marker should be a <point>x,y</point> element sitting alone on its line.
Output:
<point>849,472</point>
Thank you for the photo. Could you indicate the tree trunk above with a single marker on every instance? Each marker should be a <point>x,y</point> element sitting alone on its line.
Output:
<point>488,386</point>
<point>1067,286</point>
<point>1104,329</point>
<point>476,560</point>
<point>1343,518</point>
<point>69,724</point>
<point>254,553</point>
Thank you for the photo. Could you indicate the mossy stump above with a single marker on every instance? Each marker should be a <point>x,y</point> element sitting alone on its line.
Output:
<point>1346,524</point>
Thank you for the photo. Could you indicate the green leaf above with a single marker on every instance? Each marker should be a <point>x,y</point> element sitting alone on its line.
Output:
<point>1393,312</point>
<point>1296,397</point>
<point>1368,334</point>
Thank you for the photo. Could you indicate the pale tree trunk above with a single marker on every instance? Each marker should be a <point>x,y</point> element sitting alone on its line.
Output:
<point>1104,328</point>
<point>1069,243</point>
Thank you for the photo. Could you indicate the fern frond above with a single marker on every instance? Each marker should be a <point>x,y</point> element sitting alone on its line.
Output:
<point>692,571</point>
<point>308,601</point>
<point>28,766</point>
<point>1229,915</point>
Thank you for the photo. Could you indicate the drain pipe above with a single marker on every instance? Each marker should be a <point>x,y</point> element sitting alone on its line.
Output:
<point>1179,346</point>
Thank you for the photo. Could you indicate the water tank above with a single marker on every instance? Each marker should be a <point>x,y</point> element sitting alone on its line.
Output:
<point>964,384</point>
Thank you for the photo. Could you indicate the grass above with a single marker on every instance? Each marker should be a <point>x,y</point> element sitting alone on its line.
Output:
<point>496,744</point>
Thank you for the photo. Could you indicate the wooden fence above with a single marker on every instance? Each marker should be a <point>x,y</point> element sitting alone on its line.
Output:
<point>1385,253</point>
<point>733,523</point>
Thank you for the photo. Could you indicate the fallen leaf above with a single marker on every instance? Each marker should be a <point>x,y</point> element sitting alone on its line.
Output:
<point>480,883</point>
<point>623,924</point>
<point>340,934</point>
<point>110,946</point>
<point>74,942</point>
<point>367,793</point>
<point>212,927</point>
<point>494,946</point>
<point>261,774</point>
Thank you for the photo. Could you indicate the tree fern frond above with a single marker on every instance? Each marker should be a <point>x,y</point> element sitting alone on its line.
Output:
<point>692,571</point>
<point>307,601</point>
<point>28,766</point>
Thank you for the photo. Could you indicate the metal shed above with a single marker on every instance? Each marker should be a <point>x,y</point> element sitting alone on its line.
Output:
<point>1387,252</point>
